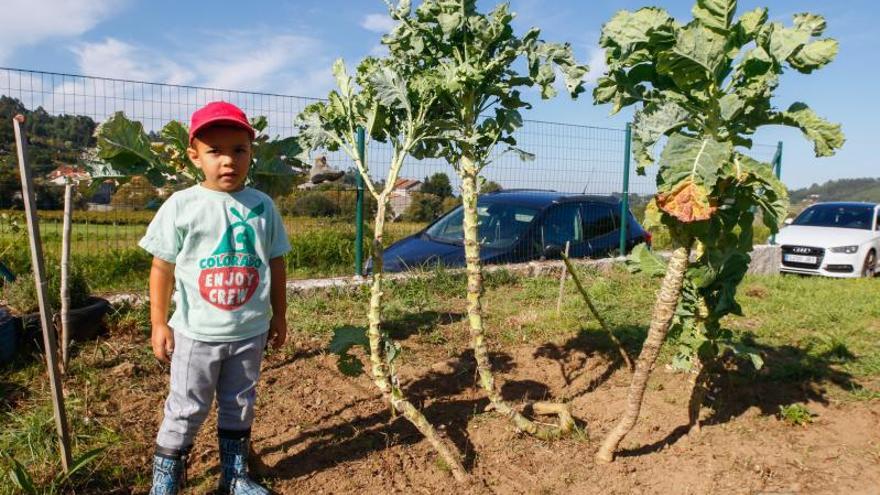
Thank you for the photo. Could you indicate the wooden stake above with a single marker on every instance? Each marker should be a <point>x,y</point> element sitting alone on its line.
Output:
<point>65,272</point>
<point>562,281</point>
<point>49,338</point>
<point>589,301</point>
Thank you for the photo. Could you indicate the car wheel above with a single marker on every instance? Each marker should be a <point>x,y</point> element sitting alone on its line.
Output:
<point>870,268</point>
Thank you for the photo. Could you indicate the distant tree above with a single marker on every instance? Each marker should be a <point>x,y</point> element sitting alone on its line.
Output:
<point>448,205</point>
<point>53,139</point>
<point>137,194</point>
<point>423,208</point>
<point>438,185</point>
<point>9,184</point>
<point>350,178</point>
<point>490,186</point>
<point>316,204</point>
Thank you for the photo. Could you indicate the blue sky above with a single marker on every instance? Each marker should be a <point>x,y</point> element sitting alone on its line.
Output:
<point>288,46</point>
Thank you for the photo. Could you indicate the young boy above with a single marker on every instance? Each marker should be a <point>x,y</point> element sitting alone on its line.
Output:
<point>220,245</point>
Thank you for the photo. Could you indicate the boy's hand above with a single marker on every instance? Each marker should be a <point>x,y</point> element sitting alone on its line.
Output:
<point>277,331</point>
<point>163,342</point>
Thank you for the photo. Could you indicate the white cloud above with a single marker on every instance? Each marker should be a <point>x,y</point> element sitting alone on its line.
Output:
<point>248,60</point>
<point>115,58</point>
<point>379,51</point>
<point>378,23</point>
<point>261,63</point>
<point>27,22</point>
<point>597,64</point>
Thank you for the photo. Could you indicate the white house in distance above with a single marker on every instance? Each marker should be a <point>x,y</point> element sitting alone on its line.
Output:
<point>402,195</point>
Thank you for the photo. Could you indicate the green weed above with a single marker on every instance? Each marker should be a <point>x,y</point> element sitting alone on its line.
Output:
<point>796,414</point>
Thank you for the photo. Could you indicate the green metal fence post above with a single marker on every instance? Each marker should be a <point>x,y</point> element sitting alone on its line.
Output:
<point>359,210</point>
<point>624,204</point>
<point>777,168</point>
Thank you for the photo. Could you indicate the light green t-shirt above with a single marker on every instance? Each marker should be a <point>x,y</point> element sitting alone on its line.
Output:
<point>220,244</point>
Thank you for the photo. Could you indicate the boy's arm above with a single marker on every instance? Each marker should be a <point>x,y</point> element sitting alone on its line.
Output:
<point>278,299</point>
<point>161,285</point>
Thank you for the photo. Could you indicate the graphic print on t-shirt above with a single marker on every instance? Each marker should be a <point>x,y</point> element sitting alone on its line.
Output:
<point>230,276</point>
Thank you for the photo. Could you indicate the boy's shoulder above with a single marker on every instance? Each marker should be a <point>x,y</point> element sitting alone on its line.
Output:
<point>183,194</point>
<point>259,194</point>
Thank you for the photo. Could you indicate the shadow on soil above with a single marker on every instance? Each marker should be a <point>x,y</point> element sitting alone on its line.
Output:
<point>350,440</point>
<point>790,375</point>
<point>572,356</point>
<point>347,440</point>
<point>406,325</point>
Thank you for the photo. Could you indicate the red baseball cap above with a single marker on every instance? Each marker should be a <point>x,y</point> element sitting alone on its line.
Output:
<point>219,112</point>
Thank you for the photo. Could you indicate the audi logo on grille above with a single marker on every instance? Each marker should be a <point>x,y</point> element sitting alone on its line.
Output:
<point>802,250</point>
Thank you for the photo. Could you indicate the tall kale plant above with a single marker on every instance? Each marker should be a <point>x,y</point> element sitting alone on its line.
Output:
<point>705,87</point>
<point>483,67</point>
<point>393,102</point>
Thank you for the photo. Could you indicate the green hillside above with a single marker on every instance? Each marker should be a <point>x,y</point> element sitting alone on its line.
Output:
<point>865,189</point>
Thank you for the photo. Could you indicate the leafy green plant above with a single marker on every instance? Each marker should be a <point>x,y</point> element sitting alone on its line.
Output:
<point>316,204</point>
<point>483,67</point>
<point>706,87</point>
<point>796,414</point>
<point>394,102</point>
<point>424,207</point>
<point>10,227</point>
<point>23,480</point>
<point>129,150</point>
<point>21,295</point>
<point>137,194</point>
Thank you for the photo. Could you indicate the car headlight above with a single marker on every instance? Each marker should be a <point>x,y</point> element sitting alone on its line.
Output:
<point>845,249</point>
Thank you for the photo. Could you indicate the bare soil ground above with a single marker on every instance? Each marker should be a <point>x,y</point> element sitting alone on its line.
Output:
<point>321,432</point>
<point>318,431</point>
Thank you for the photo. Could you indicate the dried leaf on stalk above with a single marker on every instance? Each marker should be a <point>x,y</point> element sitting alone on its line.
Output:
<point>688,202</point>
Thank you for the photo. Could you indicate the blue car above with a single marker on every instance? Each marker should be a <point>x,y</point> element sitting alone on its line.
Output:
<point>521,225</point>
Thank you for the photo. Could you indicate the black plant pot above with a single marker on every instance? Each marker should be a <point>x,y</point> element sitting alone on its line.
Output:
<point>86,323</point>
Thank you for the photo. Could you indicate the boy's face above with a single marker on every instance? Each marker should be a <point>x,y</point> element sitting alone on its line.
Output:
<point>224,156</point>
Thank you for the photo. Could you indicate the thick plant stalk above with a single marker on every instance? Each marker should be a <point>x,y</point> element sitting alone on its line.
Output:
<point>589,301</point>
<point>380,371</point>
<point>65,270</point>
<point>475,318</point>
<point>664,310</point>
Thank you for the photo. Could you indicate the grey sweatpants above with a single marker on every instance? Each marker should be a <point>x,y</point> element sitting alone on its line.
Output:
<point>198,371</point>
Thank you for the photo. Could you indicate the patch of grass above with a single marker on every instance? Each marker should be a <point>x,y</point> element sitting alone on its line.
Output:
<point>864,394</point>
<point>440,464</point>
<point>796,414</point>
<point>105,246</point>
<point>29,437</point>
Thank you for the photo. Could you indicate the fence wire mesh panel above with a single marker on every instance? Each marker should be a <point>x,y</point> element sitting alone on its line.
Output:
<point>111,215</point>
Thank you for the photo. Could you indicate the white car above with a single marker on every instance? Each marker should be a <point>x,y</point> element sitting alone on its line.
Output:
<point>832,239</point>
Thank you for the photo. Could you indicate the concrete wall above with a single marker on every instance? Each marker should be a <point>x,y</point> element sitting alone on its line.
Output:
<point>766,260</point>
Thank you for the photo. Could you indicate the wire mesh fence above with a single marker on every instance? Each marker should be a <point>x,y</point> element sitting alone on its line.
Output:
<point>111,215</point>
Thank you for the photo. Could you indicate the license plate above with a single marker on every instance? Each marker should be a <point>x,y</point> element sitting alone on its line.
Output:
<point>796,258</point>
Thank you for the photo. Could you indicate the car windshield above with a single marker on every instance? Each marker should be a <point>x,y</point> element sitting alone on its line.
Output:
<point>843,216</point>
<point>501,225</point>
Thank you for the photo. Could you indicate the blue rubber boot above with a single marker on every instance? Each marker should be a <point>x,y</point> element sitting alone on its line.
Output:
<point>169,471</point>
<point>234,479</point>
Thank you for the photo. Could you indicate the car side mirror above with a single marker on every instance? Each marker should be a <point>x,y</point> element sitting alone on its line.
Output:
<point>552,252</point>
<point>788,221</point>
